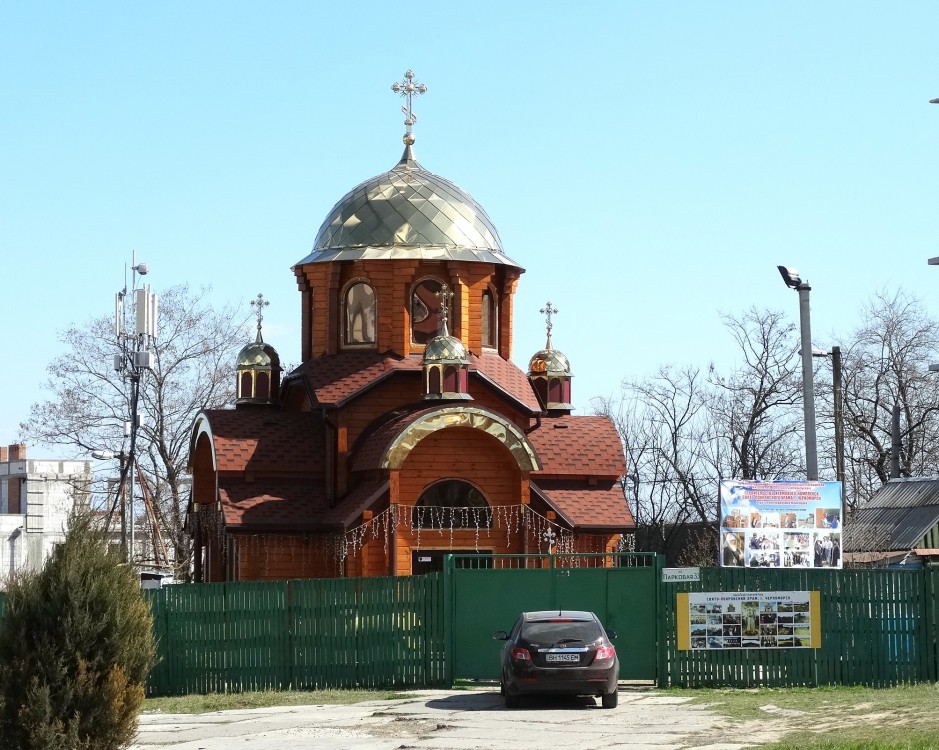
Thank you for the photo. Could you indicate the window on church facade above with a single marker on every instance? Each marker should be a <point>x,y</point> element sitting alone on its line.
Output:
<point>490,320</point>
<point>425,310</point>
<point>452,504</point>
<point>359,318</point>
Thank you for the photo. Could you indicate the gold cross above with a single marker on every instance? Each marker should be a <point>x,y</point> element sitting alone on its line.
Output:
<point>548,310</point>
<point>408,89</point>
<point>260,303</point>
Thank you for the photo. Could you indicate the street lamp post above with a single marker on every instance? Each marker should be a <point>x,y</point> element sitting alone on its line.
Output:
<point>793,281</point>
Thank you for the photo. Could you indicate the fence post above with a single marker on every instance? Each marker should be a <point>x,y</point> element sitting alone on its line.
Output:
<point>660,608</point>
<point>448,624</point>
<point>930,634</point>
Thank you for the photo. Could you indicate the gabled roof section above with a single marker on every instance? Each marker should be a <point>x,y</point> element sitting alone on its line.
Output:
<point>578,446</point>
<point>896,518</point>
<point>286,505</point>
<point>599,507</point>
<point>363,497</point>
<point>506,377</point>
<point>264,441</point>
<point>336,379</point>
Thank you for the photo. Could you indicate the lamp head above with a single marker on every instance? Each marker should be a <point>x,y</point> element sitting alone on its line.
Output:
<point>790,276</point>
<point>103,455</point>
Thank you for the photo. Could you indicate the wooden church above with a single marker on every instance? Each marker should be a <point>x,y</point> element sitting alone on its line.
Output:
<point>407,432</point>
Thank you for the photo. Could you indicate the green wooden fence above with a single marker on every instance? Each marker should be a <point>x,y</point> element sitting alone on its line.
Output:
<point>878,629</point>
<point>304,635</point>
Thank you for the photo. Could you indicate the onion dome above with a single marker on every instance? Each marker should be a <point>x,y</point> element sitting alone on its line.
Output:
<point>549,373</point>
<point>257,368</point>
<point>408,213</point>
<point>446,361</point>
<point>549,362</point>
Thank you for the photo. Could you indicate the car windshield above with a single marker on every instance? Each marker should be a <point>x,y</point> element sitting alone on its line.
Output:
<point>555,632</point>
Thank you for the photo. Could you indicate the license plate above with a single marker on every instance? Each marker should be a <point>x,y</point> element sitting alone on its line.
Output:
<point>562,657</point>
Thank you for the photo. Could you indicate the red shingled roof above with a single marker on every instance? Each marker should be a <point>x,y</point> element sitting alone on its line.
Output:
<point>601,506</point>
<point>374,448</point>
<point>578,446</point>
<point>507,378</point>
<point>294,505</point>
<point>362,498</point>
<point>265,441</point>
<point>337,378</point>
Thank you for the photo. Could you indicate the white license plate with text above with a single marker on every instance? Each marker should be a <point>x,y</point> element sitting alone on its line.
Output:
<point>562,657</point>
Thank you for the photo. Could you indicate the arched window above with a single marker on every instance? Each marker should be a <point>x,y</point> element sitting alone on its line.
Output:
<point>359,318</point>
<point>425,310</point>
<point>490,320</point>
<point>452,504</point>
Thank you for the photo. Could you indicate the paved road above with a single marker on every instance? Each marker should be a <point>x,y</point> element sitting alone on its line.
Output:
<point>455,720</point>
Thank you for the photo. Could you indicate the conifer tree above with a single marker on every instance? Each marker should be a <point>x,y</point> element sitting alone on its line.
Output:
<point>76,646</point>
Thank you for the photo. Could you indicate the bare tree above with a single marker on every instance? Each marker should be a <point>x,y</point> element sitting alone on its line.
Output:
<point>89,403</point>
<point>755,407</point>
<point>663,423</point>
<point>887,365</point>
<point>684,432</point>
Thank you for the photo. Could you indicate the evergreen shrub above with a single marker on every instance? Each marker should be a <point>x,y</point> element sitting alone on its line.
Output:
<point>76,646</point>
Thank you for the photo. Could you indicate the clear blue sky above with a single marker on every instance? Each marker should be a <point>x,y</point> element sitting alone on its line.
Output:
<point>649,164</point>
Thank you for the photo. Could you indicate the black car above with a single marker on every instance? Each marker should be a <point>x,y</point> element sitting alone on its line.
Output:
<point>558,652</point>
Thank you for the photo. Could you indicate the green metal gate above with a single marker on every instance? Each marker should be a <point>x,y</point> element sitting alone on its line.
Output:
<point>479,600</point>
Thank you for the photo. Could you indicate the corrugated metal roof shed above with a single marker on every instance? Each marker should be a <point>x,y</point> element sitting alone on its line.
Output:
<point>896,518</point>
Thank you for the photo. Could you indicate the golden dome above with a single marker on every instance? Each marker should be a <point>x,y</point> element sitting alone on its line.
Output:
<point>410,213</point>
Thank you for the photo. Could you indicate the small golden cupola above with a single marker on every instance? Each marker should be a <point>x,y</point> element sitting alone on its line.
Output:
<point>549,372</point>
<point>258,367</point>
<point>446,362</point>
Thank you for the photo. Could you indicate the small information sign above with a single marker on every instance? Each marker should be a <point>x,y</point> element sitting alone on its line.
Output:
<point>679,575</point>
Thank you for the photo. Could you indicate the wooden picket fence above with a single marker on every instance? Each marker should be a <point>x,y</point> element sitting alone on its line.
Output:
<point>301,635</point>
<point>878,628</point>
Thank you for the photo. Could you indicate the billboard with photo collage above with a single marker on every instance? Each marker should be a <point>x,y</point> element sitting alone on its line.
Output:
<point>781,524</point>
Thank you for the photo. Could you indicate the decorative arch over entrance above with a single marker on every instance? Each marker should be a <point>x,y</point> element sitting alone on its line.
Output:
<point>473,417</point>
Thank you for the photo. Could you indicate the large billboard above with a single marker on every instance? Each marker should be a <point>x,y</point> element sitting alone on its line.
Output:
<point>783,524</point>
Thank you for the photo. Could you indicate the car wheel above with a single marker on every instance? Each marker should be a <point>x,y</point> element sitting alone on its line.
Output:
<point>501,688</point>
<point>512,701</point>
<point>610,699</point>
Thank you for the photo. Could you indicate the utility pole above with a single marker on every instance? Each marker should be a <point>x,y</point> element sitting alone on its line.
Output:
<point>133,360</point>
<point>839,414</point>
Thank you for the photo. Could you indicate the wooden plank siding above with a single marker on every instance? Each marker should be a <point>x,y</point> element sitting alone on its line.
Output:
<point>392,284</point>
<point>267,557</point>
<point>471,456</point>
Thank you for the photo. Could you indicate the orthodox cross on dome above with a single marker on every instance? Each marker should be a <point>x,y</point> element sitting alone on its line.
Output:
<point>260,303</point>
<point>444,295</point>
<point>409,89</point>
<point>548,310</point>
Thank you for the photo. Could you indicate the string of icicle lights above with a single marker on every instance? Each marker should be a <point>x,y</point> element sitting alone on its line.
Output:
<point>431,523</point>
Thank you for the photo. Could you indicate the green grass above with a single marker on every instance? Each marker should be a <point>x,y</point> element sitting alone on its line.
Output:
<point>835,718</point>
<point>200,704</point>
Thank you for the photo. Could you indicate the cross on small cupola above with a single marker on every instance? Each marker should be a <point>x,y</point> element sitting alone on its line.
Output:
<point>549,372</point>
<point>548,310</point>
<point>409,89</point>
<point>257,367</point>
<point>446,361</point>
<point>444,295</point>
<point>260,303</point>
